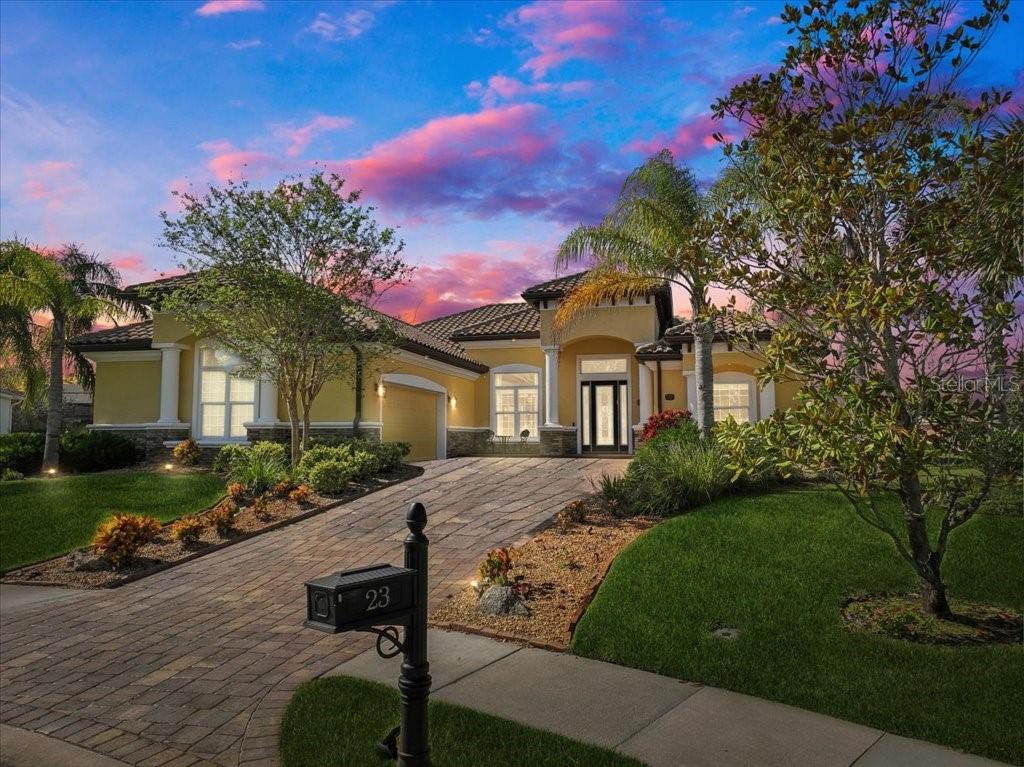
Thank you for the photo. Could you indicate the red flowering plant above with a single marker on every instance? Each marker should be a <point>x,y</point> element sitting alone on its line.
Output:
<point>666,419</point>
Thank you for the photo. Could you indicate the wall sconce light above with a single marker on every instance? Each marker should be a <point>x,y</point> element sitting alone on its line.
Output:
<point>381,391</point>
<point>452,401</point>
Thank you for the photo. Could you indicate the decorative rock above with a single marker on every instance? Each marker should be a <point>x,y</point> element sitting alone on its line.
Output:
<point>85,561</point>
<point>501,600</point>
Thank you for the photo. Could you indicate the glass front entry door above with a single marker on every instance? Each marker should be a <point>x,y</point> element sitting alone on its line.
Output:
<point>604,416</point>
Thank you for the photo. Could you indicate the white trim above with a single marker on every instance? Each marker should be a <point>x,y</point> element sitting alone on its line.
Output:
<point>169,345</point>
<point>472,428</point>
<point>170,369</point>
<point>418,382</point>
<point>646,383</point>
<point>506,343</point>
<point>691,391</point>
<point>431,364</point>
<point>314,424</point>
<point>136,426</point>
<point>136,355</point>
<point>766,401</point>
<point>541,388</point>
<point>197,396</point>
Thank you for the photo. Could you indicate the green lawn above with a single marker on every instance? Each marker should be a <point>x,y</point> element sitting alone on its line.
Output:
<point>776,567</point>
<point>337,721</point>
<point>41,518</point>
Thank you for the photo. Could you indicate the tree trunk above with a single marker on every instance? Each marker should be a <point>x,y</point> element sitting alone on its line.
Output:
<point>293,427</point>
<point>703,339</point>
<point>55,397</point>
<point>357,415</point>
<point>926,561</point>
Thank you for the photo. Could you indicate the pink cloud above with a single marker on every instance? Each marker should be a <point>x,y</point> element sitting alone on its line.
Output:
<point>464,280</point>
<point>562,31</point>
<point>348,26</point>
<point>503,88</point>
<point>690,139</point>
<point>301,137</point>
<point>219,7</point>
<point>52,182</point>
<point>228,163</point>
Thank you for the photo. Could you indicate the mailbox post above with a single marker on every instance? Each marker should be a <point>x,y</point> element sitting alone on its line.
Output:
<point>370,598</point>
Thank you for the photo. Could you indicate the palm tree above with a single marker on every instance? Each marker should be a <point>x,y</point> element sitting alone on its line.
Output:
<point>659,231</point>
<point>76,289</point>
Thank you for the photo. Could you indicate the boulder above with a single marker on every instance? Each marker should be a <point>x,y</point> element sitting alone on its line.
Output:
<point>501,600</point>
<point>85,561</point>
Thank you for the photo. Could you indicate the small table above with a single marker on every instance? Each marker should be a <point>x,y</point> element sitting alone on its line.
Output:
<point>503,439</point>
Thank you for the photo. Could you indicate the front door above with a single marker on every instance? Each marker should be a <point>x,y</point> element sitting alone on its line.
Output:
<point>604,416</point>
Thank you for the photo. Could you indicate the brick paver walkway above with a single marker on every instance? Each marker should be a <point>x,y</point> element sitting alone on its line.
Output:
<point>196,664</point>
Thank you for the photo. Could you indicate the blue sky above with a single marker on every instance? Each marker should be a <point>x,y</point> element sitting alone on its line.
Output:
<point>483,130</point>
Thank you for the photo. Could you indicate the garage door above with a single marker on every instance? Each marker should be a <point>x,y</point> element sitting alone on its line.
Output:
<point>410,415</point>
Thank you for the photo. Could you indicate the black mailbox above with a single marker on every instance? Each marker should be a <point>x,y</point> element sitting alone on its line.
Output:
<point>353,599</point>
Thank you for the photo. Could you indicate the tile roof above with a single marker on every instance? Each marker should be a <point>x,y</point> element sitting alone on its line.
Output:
<point>524,323</point>
<point>419,340</point>
<point>727,325</point>
<point>136,336</point>
<point>445,327</point>
<point>555,288</point>
<point>164,284</point>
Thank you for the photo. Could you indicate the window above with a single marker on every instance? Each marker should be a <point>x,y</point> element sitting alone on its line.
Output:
<point>617,365</point>
<point>733,399</point>
<point>226,402</point>
<point>516,403</point>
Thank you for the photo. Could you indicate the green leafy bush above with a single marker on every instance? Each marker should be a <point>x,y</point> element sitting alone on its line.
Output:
<point>321,454</point>
<point>365,464</point>
<point>259,467</point>
<point>226,457</point>
<point>7,474</point>
<point>332,475</point>
<point>97,451</point>
<point>390,454</point>
<point>669,479</point>
<point>21,451</point>
<point>187,452</point>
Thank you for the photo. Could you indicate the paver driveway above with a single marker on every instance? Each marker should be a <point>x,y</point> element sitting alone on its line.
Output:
<point>195,665</point>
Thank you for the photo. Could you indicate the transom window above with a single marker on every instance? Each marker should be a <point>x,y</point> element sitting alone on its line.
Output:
<point>733,399</point>
<point>516,404</point>
<point>226,402</point>
<point>591,367</point>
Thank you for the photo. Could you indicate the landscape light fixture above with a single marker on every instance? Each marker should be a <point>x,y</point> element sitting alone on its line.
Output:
<point>168,466</point>
<point>51,471</point>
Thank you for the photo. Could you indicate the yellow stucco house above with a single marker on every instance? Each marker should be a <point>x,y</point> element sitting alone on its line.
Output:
<point>496,378</point>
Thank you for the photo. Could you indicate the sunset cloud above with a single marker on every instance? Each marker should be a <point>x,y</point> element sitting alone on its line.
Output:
<point>301,137</point>
<point>562,31</point>
<point>52,183</point>
<point>228,163</point>
<point>503,88</point>
<point>690,139</point>
<point>219,7</point>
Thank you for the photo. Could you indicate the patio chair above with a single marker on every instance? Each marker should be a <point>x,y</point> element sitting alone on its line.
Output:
<point>524,435</point>
<point>489,439</point>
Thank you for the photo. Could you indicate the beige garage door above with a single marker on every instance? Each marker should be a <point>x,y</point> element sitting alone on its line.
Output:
<point>410,415</point>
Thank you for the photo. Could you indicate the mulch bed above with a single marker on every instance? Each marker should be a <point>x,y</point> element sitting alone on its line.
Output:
<point>165,552</point>
<point>898,616</point>
<point>563,570</point>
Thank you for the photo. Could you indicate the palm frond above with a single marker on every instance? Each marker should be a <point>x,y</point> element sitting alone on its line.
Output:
<point>82,369</point>
<point>603,286</point>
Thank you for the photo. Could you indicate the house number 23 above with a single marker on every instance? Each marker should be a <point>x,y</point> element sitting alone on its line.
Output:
<point>378,598</point>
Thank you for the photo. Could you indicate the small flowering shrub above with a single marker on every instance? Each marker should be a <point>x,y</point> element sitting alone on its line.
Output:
<point>571,514</point>
<point>236,490</point>
<point>188,530</point>
<point>223,516</point>
<point>119,539</point>
<point>260,507</point>
<point>281,489</point>
<point>666,419</point>
<point>186,452</point>
<point>300,494</point>
<point>496,567</point>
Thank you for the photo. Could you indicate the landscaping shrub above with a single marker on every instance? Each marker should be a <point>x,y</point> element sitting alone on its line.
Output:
<point>236,490</point>
<point>119,540</point>
<point>226,457</point>
<point>571,514</point>
<point>332,475</point>
<point>222,516</point>
<point>281,489</point>
<point>365,464</point>
<point>496,567</point>
<point>186,452</point>
<point>7,474</point>
<point>321,454</point>
<point>668,419</point>
<point>616,494</point>
<point>97,451</point>
<point>188,530</point>
<point>260,467</point>
<point>21,451</point>
<point>261,507</point>
<point>300,494</point>
<point>390,454</point>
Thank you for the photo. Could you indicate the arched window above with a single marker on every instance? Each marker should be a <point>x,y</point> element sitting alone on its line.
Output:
<point>226,401</point>
<point>735,394</point>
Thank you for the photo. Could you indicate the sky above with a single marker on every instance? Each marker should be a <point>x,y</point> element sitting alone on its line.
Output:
<point>483,131</point>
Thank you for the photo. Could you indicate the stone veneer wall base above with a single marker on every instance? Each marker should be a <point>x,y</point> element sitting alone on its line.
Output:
<point>557,440</point>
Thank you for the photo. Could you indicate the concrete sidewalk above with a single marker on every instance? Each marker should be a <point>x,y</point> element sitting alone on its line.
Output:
<point>658,720</point>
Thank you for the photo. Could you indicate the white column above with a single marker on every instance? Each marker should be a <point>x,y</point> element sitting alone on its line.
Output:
<point>645,392</point>
<point>691,392</point>
<point>551,386</point>
<point>170,363</point>
<point>268,402</point>
<point>767,397</point>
